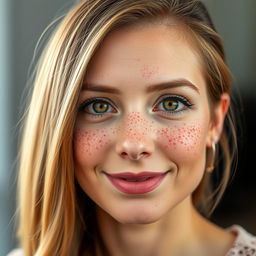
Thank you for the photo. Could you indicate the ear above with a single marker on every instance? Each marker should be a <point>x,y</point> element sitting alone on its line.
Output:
<point>218,116</point>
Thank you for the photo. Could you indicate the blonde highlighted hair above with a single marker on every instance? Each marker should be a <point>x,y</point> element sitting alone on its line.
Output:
<point>52,220</point>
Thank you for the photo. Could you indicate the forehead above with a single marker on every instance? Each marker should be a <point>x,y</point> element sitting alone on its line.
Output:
<point>141,55</point>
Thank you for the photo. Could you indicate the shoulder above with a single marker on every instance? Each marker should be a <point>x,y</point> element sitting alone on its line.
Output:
<point>244,244</point>
<point>16,252</point>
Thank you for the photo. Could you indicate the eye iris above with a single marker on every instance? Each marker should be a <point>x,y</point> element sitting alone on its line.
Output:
<point>171,104</point>
<point>100,107</point>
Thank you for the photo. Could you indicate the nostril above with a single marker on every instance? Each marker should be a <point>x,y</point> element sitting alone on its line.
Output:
<point>134,156</point>
<point>144,154</point>
<point>123,154</point>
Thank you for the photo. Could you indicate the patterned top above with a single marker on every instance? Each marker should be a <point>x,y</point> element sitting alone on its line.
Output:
<point>244,244</point>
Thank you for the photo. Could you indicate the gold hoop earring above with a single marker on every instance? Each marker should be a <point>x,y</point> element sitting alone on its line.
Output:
<point>211,165</point>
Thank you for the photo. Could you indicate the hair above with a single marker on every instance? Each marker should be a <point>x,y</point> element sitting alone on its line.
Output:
<point>52,220</point>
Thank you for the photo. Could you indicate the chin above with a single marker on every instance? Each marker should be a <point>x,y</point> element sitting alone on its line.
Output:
<point>140,221</point>
<point>138,217</point>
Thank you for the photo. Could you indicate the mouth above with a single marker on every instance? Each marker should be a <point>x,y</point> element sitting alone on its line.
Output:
<point>136,183</point>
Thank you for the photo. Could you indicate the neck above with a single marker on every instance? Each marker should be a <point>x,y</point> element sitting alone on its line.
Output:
<point>173,234</point>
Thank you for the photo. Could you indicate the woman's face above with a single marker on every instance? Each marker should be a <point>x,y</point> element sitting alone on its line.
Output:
<point>150,113</point>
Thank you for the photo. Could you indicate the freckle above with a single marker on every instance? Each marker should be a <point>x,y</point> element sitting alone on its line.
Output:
<point>148,71</point>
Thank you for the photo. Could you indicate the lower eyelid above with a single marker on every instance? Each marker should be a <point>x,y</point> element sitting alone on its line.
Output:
<point>174,113</point>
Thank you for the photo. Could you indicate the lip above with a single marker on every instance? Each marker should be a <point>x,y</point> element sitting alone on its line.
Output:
<point>149,181</point>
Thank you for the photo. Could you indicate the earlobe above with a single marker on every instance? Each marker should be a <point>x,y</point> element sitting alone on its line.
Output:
<point>219,113</point>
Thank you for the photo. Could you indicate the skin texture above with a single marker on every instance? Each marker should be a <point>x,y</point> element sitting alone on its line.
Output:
<point>136,133</point>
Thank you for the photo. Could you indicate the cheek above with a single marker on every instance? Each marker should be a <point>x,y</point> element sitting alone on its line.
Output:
<point>89,145</point>
<point>183,142</point>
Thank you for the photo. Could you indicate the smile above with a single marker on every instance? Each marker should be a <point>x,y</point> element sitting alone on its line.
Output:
<point>136,183</point>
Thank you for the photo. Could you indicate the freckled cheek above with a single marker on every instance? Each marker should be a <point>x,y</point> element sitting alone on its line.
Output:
<point>89,146</point>
<point>183,143</point>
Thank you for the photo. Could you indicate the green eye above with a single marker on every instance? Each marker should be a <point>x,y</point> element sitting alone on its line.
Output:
<point>173,104</point>
<point>169,105</point>
<point>96,107</point>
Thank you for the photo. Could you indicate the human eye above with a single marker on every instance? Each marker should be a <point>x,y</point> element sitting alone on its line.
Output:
<point>173,105</point>
<point>96,107</point>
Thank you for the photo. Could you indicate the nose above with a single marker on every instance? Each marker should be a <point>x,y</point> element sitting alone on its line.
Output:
<point>134,145</point>
<point>136,137</point>
<point>134,150</point>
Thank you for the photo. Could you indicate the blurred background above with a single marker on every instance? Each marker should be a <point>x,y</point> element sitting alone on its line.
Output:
<point>21,24</point>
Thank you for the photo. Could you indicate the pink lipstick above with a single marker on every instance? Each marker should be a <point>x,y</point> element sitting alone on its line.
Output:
<point>136,183</point>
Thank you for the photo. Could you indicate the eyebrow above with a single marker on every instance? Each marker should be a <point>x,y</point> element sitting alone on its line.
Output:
<point>151,88</point>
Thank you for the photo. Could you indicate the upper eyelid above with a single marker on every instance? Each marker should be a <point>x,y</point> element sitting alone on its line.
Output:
<point>92,100</point>
<point>166,96</point>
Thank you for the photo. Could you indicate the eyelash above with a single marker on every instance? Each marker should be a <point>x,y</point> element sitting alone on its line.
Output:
<point>177,98</point>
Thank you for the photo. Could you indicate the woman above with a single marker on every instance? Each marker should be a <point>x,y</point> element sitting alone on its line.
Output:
<point>129,115</point>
